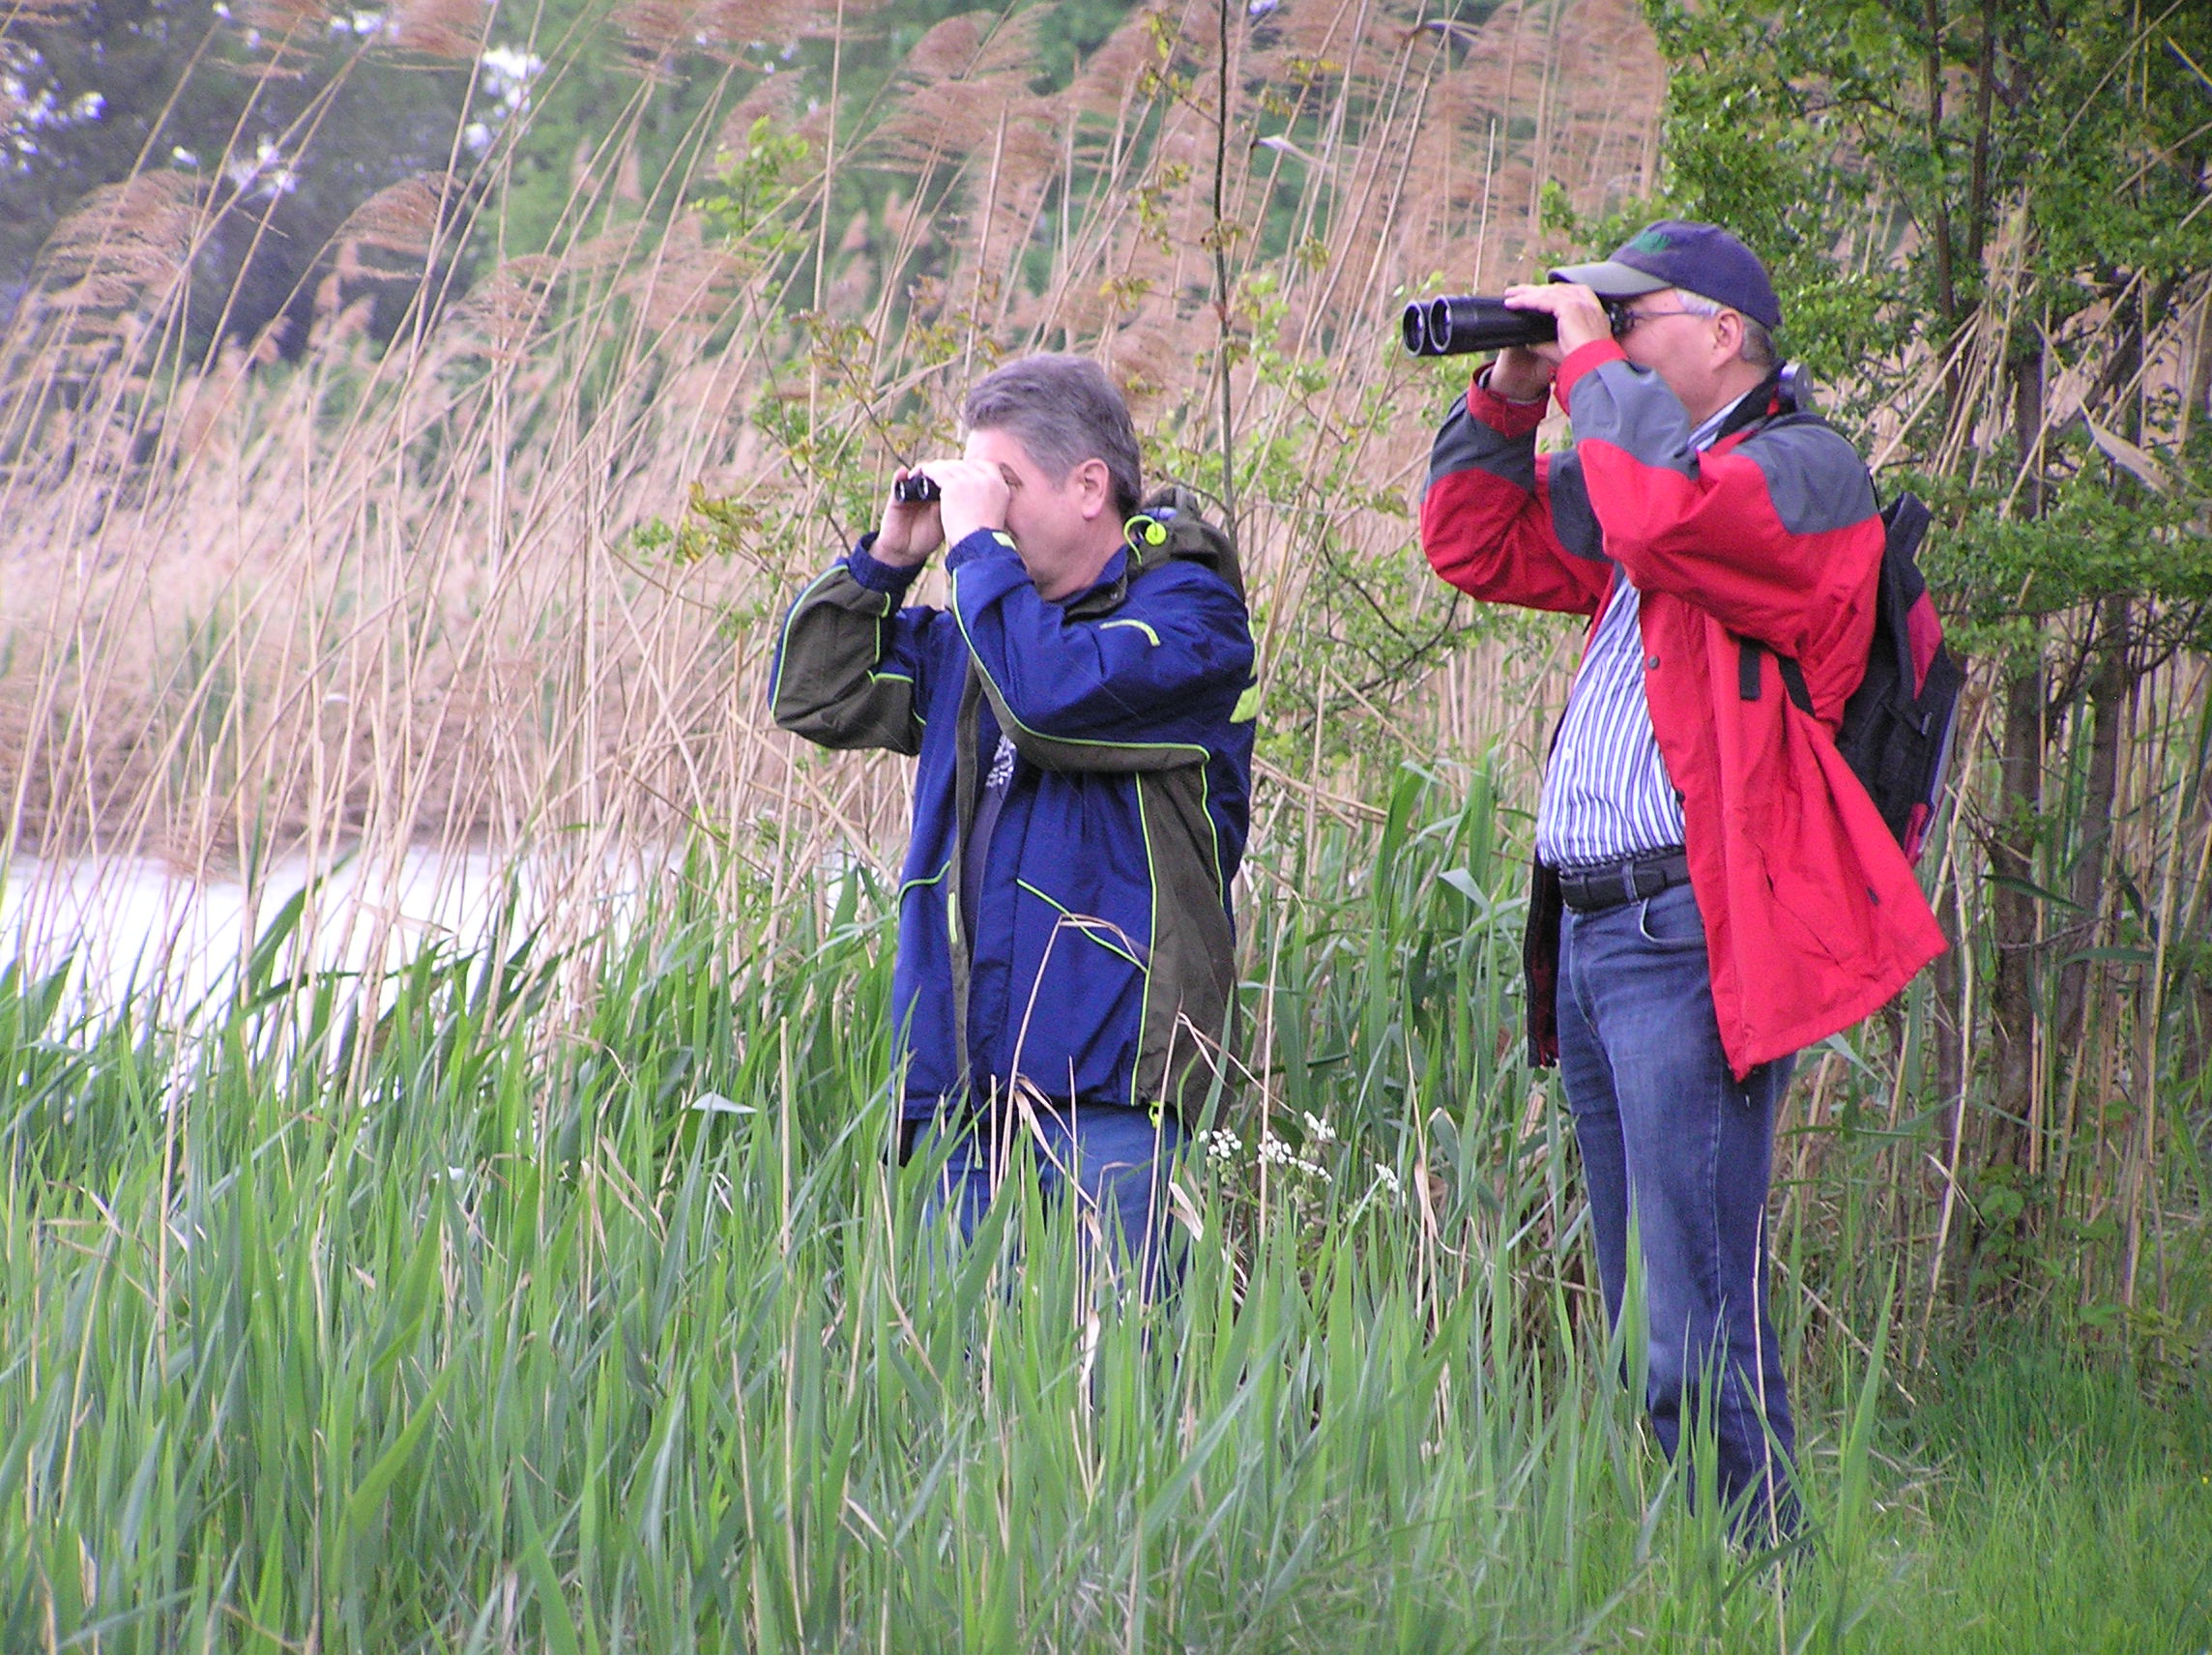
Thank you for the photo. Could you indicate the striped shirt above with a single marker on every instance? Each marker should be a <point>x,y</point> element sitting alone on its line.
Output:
<point>1606,796</point>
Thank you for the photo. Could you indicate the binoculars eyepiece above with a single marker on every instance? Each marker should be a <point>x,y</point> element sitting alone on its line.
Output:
<point>918,489</point>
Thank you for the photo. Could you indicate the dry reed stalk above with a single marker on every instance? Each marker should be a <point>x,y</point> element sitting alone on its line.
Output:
<point>2155,777</point>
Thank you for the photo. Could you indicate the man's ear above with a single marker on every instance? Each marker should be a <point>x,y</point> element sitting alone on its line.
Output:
<point>1093,488</point>
<point>1728,336</point>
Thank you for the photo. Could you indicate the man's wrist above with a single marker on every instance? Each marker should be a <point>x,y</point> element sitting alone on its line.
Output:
<point>880,575</point>
<point>1502,414</point>
<point>1486,378</point>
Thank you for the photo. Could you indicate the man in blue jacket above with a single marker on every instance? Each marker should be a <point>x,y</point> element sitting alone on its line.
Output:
<point>1082,712</point>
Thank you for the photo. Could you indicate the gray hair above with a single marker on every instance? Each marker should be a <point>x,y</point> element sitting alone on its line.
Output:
<point>1757,343</point>
<point>1062,410</point>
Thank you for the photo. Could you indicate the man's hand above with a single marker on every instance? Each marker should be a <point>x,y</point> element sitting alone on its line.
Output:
<point>1524,372</point>
<point>974,497</point>
<point>908,533</point>
<point>971,496</point>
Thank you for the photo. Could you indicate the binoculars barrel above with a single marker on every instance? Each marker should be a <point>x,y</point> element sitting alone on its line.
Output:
<point>920,489</point>
<point>1463,322</point>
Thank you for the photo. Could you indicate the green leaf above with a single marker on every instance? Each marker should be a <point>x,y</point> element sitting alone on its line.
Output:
<point>361,1504</point>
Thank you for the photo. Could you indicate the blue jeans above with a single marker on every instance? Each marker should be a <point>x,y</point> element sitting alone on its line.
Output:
<point>1668,1134</point>
<point>1110,1161</point>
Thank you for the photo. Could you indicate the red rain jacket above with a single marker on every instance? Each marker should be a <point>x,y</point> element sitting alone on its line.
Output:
<point>1814,918</point>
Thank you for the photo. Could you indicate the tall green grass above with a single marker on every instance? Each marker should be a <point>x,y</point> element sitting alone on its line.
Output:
<point>438,1322</point>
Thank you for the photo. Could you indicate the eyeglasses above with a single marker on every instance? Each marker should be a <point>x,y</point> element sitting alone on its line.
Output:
<point>1625,321</point>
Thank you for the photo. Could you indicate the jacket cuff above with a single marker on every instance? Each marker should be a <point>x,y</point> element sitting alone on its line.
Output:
<point>876,576</point>
<point>1502,414</point>
<point>1594,354</point>
<point>982,543</point>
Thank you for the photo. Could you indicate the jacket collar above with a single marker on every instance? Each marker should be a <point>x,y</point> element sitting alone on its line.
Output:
<point>1762,402</point>
<point>1105,594</point>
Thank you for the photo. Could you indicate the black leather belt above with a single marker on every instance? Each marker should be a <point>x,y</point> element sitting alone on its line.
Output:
<point>1608,886</point>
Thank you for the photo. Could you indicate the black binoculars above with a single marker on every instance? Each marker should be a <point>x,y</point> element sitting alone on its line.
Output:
<point>918,489</point>
<point>1463,322</point>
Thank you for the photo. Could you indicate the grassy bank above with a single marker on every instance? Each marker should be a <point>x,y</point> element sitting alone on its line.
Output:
<point>569,1301</point>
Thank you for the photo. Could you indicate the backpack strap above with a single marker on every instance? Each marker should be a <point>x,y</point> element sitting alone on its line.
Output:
<point>1780,398</point>
<point>1775,399</point>
<point>1747,651</point>
<point>1747,685</point>
<point>1794,680</point>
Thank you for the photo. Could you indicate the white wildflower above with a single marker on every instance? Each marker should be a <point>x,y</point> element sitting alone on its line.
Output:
<point>1277,1152</point>
<point>1318,1130</point>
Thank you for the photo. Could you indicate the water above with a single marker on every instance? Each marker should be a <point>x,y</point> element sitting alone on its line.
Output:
<point>134,926</point>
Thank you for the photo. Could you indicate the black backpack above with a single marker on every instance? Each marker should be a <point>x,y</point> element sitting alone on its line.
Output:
<point>1898,725</point>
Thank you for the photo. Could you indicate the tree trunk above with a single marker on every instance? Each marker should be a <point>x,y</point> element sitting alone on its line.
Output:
<point>2108,707</point>
<point>2109,690</point>
<point>2013,838</point>
<point>2012,867</point>
<point>1939,227</point>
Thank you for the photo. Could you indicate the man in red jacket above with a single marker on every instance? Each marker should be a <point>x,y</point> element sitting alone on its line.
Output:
<point>1715,889</point>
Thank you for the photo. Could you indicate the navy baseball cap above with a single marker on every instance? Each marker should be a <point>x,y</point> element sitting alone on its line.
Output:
<point>1704,258</point>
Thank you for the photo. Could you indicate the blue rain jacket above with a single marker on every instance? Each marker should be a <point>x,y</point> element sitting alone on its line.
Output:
<point>1102,964</point>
